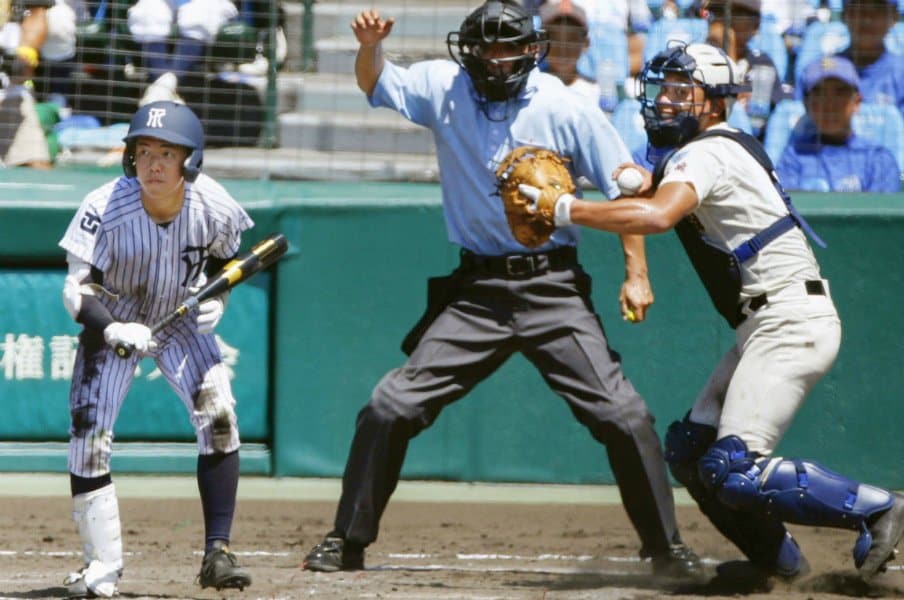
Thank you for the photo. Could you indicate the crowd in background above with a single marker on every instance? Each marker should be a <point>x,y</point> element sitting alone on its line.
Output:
<point>826,76</point>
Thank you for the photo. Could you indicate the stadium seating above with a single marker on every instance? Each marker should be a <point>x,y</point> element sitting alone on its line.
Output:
<point>770,42</point>
<point>663,31</point>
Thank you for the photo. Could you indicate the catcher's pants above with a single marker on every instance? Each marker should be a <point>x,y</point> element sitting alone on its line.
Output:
<point>780,352</point>
<point>549,319</point>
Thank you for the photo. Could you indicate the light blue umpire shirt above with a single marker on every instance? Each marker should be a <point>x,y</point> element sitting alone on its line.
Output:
<point>439,95</point>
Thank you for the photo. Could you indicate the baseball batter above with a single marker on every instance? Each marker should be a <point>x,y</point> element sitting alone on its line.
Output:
<point>749,246</point>
<point>134,248</point>
<point>505,297</point>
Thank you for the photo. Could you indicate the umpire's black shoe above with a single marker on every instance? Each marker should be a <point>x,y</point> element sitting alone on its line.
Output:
<point>887,531</point>
<point>334,554</point>
<point>678,561</point>
<point>220,569</point>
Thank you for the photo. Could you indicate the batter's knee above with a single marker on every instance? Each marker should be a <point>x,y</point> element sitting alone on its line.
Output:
<point>685,443</point>
<point>89,455</point>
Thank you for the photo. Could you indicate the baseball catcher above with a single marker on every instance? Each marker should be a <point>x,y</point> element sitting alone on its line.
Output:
<point>532,221</point>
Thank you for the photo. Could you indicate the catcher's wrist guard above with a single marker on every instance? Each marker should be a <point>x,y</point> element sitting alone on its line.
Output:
<point>562,210</point>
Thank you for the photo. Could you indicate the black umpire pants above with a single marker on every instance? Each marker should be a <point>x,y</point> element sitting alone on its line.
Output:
<point>547,316</point>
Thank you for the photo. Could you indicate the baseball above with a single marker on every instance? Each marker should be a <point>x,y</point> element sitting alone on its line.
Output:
<point>629,181</point>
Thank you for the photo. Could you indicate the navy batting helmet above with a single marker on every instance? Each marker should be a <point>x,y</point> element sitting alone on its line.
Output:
<point>169,122</point>
<point>497,21</point>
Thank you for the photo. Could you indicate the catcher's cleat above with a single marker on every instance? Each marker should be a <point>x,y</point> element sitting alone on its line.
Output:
<point>678,561</point>
<point>220,569</point>
<point>887,531</point>
<point>334,554</point>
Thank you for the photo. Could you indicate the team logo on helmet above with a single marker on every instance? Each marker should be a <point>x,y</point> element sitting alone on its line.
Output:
<point>155,117</point>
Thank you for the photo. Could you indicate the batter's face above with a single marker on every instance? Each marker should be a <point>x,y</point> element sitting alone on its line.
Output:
<point>159,168</point>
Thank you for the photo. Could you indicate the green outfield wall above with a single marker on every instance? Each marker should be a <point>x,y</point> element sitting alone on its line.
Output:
<point>316,333</point>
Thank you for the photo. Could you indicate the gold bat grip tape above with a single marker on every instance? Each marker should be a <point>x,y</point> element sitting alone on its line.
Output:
<point>232,272</point>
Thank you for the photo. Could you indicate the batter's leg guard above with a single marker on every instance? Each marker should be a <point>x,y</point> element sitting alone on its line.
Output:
<point>96,515</point>
<point>796,491</point>
<point>763,540</point>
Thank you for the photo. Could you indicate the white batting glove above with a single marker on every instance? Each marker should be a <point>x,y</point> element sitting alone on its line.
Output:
<point>135,335</point>
<point>562,209</point>
<point>210,311</point>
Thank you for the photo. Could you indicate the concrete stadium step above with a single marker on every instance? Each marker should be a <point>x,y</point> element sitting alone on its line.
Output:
<point>377,130</point>
<point>337,54</point>
<point>335,92</point>
<point>425,19</point>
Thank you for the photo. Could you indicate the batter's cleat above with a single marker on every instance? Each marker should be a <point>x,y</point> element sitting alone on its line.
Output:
<point>334,554</point>
<point>679,562</point>
<point>887,531</point>
<point>220,569</point>
<point>77,587</point>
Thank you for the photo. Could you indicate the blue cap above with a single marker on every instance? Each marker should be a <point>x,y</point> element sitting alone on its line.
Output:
<point>829,67</point>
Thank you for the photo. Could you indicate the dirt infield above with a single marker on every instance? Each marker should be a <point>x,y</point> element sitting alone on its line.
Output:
<point>426,550</point>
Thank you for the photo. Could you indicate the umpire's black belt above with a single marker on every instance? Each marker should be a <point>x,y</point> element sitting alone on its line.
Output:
<point>813,287</point>
<point>520,265</point>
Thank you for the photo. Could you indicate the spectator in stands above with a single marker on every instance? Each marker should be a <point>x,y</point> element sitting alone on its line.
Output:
<point>631,16</point>
<point>823,153</point>
<point>54,72</point>
<point>197,23</point>
<point>733,32</point>
<point>566,25</point>
<point>881,72</point>
<point>22,34</point>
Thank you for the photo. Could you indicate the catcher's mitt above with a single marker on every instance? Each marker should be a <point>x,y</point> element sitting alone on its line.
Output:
<point>532,224</point>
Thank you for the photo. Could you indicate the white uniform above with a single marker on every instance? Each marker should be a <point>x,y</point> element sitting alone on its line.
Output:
<point>147,269</point>
<point>783,348</point>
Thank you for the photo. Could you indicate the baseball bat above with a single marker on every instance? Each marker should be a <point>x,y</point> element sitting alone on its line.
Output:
<point>240,269</point>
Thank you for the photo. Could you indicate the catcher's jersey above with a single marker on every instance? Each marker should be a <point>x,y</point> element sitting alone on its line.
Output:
<point>737,200</point>
<point>470,146</point>
<point>147,266</point>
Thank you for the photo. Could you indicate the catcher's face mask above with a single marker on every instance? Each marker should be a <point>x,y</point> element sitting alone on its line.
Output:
<point>675,86</point>
<point>498,47</point>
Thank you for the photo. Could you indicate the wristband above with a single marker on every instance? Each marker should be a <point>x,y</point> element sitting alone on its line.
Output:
<point>562,211</point>
<point>29,55</point>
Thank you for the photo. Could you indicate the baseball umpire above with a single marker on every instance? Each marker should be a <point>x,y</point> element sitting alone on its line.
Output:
<point>134,248</point>
<point>749,246</point>
<point>505,297</point>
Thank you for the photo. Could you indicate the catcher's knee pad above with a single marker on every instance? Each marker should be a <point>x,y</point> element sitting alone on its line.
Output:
<point>793,491</point>
<point>685,443</point>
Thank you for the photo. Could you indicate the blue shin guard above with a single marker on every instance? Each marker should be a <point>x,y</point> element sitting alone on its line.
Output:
<point>763,540</point>
<point>793,491</point>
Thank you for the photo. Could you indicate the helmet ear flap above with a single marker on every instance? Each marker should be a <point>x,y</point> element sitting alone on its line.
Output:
<point>191,168</point>
<point>128,160</point>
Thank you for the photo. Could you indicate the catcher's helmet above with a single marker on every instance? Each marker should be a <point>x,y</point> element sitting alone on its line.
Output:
<point>170,122</point>
<point>699,66</point>
<point>497,21</point>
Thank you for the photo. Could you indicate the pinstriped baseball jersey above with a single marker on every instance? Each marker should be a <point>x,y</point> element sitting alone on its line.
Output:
<point>148,268</point>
